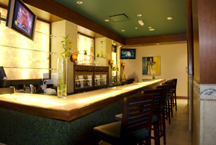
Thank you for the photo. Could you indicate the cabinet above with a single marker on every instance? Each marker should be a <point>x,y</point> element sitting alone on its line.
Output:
<point>90,77</point>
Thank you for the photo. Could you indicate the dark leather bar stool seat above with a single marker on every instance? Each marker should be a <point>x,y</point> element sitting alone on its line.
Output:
<point>135,126</point>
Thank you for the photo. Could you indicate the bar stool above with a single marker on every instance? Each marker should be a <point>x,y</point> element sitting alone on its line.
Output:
<point>156,114</point>
<point>162,124</point>
<point>174,92</point>
<point>135,126</point>
<point>169,99</point>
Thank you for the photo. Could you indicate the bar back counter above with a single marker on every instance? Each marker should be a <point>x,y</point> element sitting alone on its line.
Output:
<point>32,119</point>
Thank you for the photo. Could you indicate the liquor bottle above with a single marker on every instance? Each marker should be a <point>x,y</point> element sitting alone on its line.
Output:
<point>77,82</point>
<point>96,82</point>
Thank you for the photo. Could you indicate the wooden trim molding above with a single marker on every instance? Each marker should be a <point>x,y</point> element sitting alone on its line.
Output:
<point>159,39</point>
<point>181,97</point>
<point>63,12</point>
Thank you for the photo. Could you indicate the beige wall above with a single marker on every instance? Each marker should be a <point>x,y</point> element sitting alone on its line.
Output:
<point>63,28</point>
<point>173,64</point>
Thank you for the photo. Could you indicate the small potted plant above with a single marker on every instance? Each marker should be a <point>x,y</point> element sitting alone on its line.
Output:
<point>85,52</point>
<point>97,54</point>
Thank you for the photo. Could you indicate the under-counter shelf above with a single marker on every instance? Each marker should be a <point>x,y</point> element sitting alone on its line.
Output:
<point>83,81</point>
<point>90,77</point>
<point>100,80</point>
<point>27,49</point>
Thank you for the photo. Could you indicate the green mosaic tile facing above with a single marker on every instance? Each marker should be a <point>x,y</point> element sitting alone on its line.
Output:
<point>18,128</point>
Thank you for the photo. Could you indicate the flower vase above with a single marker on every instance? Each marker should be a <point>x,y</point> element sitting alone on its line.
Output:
<point>62,78</point>
<point>153,74</point>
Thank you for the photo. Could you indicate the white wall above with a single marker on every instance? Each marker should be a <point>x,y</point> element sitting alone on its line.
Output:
<point>173,64</point>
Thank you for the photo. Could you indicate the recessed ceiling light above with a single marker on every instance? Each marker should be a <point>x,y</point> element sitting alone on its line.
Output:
<point>169,18</point>
<point>136,27</point>
<point>122,30</point>
<point>139,15</point>
<point>79,2</point>
<point>141,22</point>
<point>106,20</point>
<point>152,29</point>
<point>149,27</point>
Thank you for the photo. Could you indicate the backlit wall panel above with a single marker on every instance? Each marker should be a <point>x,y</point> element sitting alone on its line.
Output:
<point>21,57</point>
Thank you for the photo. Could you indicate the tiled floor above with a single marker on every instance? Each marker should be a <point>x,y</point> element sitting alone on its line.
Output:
<point>177,132</point>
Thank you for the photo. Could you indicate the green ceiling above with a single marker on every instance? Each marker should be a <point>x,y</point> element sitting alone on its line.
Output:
<point>154,14</point>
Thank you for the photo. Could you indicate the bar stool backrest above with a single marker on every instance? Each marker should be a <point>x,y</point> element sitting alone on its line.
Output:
<point>158,99</point>
<point>137,114</point>
<point>174,84</point>
<point>164,91</point>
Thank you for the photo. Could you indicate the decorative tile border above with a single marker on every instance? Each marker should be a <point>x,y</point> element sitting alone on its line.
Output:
<point>196,88</point>
<point>205,91</point>
<point>208,91</point>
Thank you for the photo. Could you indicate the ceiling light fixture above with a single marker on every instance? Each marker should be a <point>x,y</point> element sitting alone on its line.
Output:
<point>79,2</point>
<point>106,20</point>
<point>122,30</point>
<point>139,15</point>
<point>141,22</point>
<point>169,18</point>
<point>136,27</point>
<point>152,29</point>
<point>149,27</point>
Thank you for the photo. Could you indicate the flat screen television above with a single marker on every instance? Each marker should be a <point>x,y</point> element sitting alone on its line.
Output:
<point>21,18</point>
<point>2,73</point>
<point>128,53</point>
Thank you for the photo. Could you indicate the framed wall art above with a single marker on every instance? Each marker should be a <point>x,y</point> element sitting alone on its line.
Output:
<point>151,65</point>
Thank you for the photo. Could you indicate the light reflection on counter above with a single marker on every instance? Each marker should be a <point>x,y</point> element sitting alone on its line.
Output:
<point>74,101</point>
<point>31,99</point>
<point>98,97</point>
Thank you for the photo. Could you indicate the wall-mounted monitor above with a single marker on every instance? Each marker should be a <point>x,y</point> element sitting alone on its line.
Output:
<point>2,73</point>
<point>21,18</point>
<point>128,53</point>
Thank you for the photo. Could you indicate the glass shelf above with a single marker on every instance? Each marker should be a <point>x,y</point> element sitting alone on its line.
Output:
<point>99,57</point>
<point>28,49</point>
<point>51,36</point>
<point>3,24</point>
<point>90,55</point>
<point>85,54</point>
<point>30,68</point>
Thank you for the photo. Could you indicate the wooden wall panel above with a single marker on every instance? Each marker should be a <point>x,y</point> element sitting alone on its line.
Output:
<point>171,38</point>
<point>196,41</point>
<point>190,38</point>
<point>207,39</point>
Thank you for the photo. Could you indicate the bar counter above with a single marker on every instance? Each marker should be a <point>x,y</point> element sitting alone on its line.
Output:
<point>46,119</point>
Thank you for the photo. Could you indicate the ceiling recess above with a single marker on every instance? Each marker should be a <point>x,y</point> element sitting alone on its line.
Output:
<point>119,17</point>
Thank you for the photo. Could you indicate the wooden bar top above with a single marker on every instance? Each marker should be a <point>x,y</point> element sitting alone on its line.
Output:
<point>74,106</point>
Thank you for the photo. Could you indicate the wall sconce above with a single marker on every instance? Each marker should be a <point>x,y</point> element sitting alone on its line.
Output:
<point>74,58</point>
<point>111,63</point>
<point>123,64</point>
